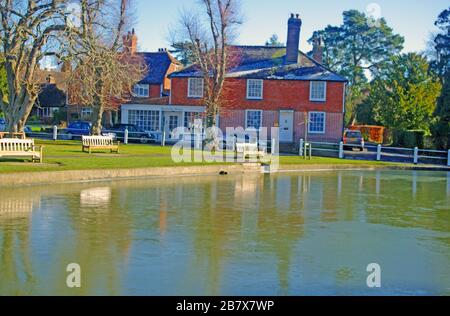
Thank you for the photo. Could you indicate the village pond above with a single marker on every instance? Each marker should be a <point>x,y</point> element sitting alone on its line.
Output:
<point>311,233</point>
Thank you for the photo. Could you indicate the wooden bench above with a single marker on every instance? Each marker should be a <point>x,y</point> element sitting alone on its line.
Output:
<point>249,150</point>
<point>17,148</point>
<point>99,142</point>
<point>12,135</point>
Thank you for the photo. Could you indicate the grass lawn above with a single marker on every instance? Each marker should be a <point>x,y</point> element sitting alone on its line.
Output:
<point>295,160</point>
<point>67,155</point>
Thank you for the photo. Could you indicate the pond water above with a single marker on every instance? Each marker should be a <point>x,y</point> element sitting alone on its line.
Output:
<point>286,234</point>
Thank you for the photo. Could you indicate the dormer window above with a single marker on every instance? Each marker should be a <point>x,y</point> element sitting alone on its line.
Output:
<point>195,88</point>
<point>142,90</point>
<point>318,91</point>
<point>254,89</point>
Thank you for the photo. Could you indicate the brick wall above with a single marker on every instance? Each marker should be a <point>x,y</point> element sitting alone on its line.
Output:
<point>333,127</point>
<point>278,95</point>
<point>155,91</point>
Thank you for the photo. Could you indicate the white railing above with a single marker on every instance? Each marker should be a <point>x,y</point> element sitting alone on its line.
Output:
<point>413,155</point>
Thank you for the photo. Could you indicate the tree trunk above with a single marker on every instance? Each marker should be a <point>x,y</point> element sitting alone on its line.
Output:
<point>97,117</point>
<point>17,115</point>
<point>211,128</point>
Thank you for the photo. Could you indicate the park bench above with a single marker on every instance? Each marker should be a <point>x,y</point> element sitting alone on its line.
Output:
<point>18,148</point>
<point>248,150</point>
<point>12,135</point>
<point>99,142</point>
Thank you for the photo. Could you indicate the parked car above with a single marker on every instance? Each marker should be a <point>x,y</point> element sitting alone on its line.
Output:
<point>353,139</point>
<point>26,129</point>
<point>135,134</point>
<point>78,128</point>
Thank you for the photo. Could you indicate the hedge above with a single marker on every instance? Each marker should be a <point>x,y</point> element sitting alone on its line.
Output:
<point>409,139</point>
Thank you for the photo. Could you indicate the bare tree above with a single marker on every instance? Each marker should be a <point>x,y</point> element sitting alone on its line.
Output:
<point>210,35</point>
<point>27,27</point>
<point>104,71</point>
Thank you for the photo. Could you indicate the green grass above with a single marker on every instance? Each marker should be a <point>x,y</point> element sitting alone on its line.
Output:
<point>67,155</point>
<point>295,160</point>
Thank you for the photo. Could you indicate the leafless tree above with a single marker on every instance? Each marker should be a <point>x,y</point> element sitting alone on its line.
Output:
<point>104,71</point>
<point>27,27</point>
<point>210,34</point>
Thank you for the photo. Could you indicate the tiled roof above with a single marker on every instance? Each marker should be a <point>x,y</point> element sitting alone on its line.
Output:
<point>157,64</point>
<point>266,62</point>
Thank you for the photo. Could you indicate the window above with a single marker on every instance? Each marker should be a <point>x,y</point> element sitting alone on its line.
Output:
<point>195,88</point>
<point>318,91</point>
<point>141,90</point>
<point>317,122</point>
<point>146,120</point>
<point>86,112</point>
<point>47,112</point>
<point>254,89</point>
<point>253,119</point>
<point>191,117</point>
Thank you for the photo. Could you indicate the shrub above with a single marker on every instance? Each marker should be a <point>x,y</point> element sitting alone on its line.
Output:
<point>409,139</point>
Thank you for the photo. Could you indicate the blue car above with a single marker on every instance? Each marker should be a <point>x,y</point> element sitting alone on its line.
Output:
<point>78,128</point>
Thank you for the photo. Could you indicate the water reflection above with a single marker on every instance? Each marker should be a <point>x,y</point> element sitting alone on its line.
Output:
<point>309,233</point>
<point>16,207</point>
<point>95,197</point>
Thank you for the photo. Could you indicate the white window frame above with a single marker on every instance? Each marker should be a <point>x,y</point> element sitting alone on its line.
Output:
<point>324,123</point>
<point>246,119</point>
<point>248,89</point>
<point>145,119</point>
<point>311,90</point>
<point>189,88</point>
<point>144,87</point>
<point>86,109</point>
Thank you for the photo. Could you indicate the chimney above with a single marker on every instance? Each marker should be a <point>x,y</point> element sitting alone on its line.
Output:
<point>130,42</point>
<point>293,39</point>
<point>317,53</point>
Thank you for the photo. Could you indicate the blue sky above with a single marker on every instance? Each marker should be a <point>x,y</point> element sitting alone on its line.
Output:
<point>412,19</point>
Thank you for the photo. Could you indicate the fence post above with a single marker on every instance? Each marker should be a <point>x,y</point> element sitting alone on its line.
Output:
<point>273,146</point>
<point>379,152</point>
<point>163,139</point>
<point>125,137</point>
<point>55,132</point>
<point>448,161</point>
<point>416,155</point>
<point>341,150</point>
<point>300,151</point>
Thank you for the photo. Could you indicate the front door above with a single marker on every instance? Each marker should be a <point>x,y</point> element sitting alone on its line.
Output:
<point>171,122</point>
<point>286,126</point>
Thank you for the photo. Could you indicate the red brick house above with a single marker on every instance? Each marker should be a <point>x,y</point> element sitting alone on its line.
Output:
<point>160,65</point>
<point>267,87</point>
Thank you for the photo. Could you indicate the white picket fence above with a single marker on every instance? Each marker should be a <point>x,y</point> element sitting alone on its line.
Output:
<point>381,153</point>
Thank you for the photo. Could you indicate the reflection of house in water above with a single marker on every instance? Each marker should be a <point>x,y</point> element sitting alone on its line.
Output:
<point>95,197</point>
<point>247,187</point>
<point>16,207</point>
